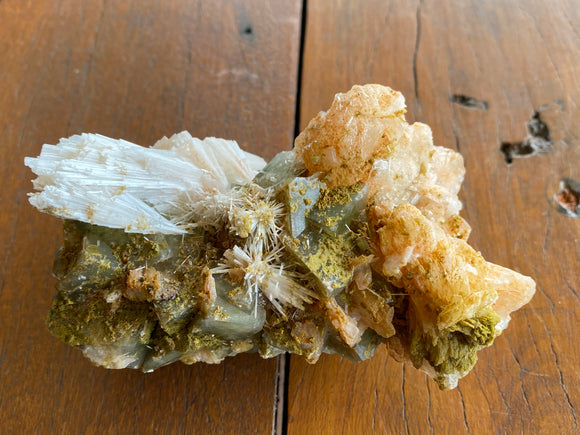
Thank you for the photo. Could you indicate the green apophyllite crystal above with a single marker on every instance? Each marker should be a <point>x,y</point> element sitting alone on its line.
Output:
<point>235,314</point>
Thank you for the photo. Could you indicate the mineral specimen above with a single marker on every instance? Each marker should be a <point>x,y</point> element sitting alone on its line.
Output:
<point>196,250</point>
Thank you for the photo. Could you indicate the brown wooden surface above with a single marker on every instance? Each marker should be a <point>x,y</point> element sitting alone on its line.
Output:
<point>144,69</point>
<point>137,70</point>
<point>516,56</point>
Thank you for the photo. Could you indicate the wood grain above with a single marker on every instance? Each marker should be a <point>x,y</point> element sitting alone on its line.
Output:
<point>137,70</point>
<point>144,69</point>
<point>517,56</point>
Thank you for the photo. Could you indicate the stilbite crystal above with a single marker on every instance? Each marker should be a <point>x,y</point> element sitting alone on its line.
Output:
<point>196,250</point>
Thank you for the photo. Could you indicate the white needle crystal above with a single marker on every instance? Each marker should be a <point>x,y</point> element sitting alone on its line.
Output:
<point>115,183</point>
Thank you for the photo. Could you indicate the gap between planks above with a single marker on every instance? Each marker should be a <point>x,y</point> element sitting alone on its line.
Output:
<point>280,409</point>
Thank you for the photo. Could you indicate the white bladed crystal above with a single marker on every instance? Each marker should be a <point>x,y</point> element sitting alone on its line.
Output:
<point>118,184</point>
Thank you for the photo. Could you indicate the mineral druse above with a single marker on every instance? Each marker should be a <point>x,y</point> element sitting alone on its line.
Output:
<point>195,250</point>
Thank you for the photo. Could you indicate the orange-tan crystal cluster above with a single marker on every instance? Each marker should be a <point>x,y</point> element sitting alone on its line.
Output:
<point>419,239</point>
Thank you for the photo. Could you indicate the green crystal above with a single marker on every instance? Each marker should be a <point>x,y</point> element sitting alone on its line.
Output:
<point>231,321</point>
<point>302,194</point>
<point>335,209</point>
<point>326,257</point>
<point>281,168</point>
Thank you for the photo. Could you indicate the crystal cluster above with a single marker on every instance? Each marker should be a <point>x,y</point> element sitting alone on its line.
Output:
<point>196,250</point>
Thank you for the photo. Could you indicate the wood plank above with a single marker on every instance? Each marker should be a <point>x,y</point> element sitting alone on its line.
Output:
<point>517,56</point>
<point>137,70</point>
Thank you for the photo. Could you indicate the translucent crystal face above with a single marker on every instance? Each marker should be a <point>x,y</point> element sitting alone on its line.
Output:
<point>196,250</point>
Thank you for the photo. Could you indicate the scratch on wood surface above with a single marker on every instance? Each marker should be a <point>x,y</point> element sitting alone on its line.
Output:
<point>529,372</point>
<point>378,39</point>
<point>537,348</point>
<point>569,287</point>
<point>546,44</point>
<point>541,290</point>
<point>238,73</point>
<point>464,413</point>
<point>224,374</point>
<point>406,421</point>
<point>501,412</point>
<point>523,390</point>
<point>501,392</point>
<point>416,52</point>
<point>429,422</point>
<point>375,410</point>
<point>454,131</point>
<point>493,412</point>
<point>548,228</point>
<point>299,384</point>
<point>566,283</point>
<point>489,405</point>
<point>562,383</point>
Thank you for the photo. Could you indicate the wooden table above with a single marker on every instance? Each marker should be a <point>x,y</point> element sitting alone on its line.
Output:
<point>257,72</point>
